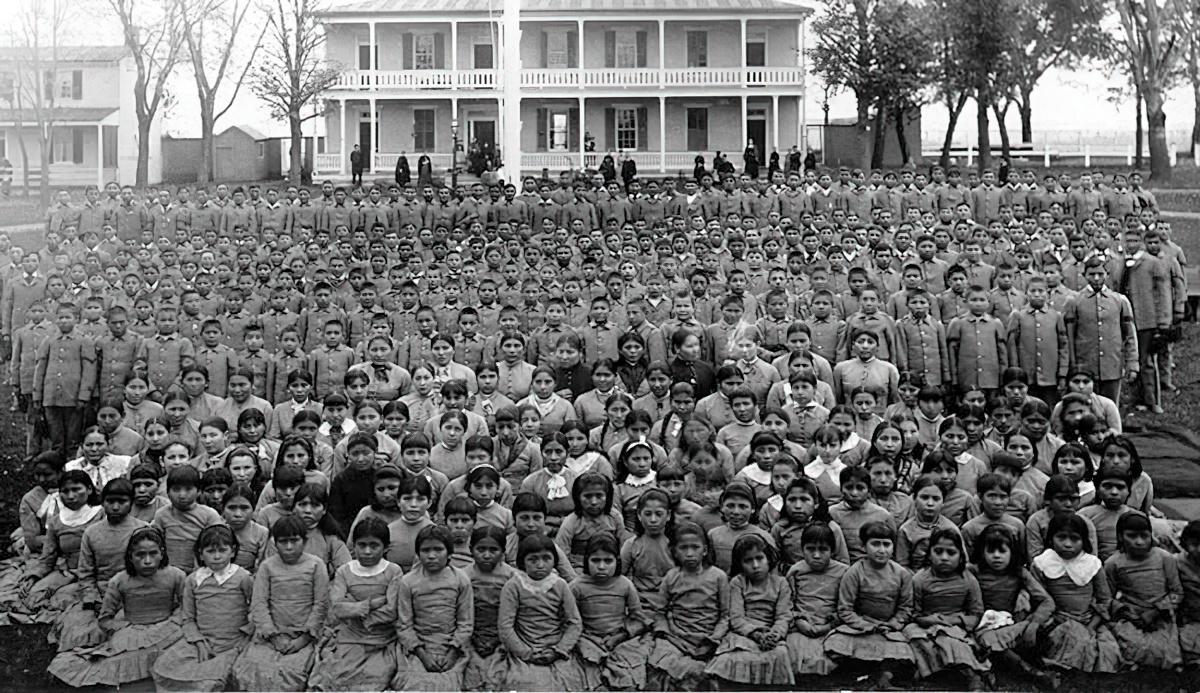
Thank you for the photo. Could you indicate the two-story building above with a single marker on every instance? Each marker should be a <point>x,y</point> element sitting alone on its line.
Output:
<point>663,80</point>
<point>88,95</point>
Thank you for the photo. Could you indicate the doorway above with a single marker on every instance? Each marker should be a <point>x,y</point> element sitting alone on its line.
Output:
<point>756,130</point>
<point>364,144</point>
<point>483,132</point>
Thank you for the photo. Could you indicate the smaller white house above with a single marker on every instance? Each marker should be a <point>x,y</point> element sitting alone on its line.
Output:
<point>94,134</point>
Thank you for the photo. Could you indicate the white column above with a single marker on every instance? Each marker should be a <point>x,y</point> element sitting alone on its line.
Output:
<point>802,103</point>
<point>99,156</point>
<point>454,48</point>
<point>373,60</point>
<point>579,51</point>
<point>370,155</point>
<point>774,124</point>
<point>582,132</point>
<point>342,140</point>
<point>742,127</point>
<point>512,90</point>
<point>662,128</point>
<point>743,46</point>
<point>662,51</point>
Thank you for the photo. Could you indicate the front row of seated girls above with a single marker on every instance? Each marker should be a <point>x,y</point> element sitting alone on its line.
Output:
<point>677,575</point>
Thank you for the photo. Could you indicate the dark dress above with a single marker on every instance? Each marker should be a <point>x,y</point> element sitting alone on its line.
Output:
<point>751,159</point>
<point>403,172</point>
<point>699,374</point>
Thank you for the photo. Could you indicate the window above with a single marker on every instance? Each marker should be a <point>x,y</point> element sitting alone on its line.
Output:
<point>320,145</point>
<point>262,149</point>
<point>8,86</point>
<point>484,57</point>
<point>756,51</point>
<point>364,56</point>
<point>559,131</point>
<point>697,129</point>
<point>627,49</point>
<point>66,144</point>
<point>697,49</point>
<point>627,128</point>
<point>423,129</point>
<point>557,52</point>
<point>70,85</point>
<point>424,51</point>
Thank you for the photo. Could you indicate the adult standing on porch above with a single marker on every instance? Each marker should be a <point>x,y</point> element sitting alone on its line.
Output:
<point>356,166</point>
<point>424,171</point>
<point>751,158</point>
<point>628,169</point>
<point>403,172</point>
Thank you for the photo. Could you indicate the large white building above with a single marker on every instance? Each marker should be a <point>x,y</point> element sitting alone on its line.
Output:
<point>660,79</point>
<point>94,137</point>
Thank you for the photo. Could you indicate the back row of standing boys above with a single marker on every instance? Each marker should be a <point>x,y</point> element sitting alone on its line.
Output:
<point>769,421</point>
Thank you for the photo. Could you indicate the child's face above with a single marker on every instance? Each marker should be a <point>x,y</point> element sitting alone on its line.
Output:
<point>928,502</point>
<point>242,468</point>
<point>212,494</point>
<point>237,512</point>
<point>743,409</point>
<point>954,440</point>
<point>1137,543</point>
<point>483,492</point>
<point>883,478</point>
<point>289,548</point>
<point>116,507</point>
<point>1067,543</point>
<point>416,459</point>
<point>879,551</point>
<point>460,527</point>
<point>1113,493</point>
<point>529,522</point>
<point>369,550</point>
<point>285,496</point>
<point>690,552</point>
<point>361,458</point>
<point>183,497</point>
<point>593,499</point>
<point>146,557</point>
<point>539,564</point>
<point>487,554</point>
<point>994,503</point>
<point>944,557</point>
<point>413,506</point>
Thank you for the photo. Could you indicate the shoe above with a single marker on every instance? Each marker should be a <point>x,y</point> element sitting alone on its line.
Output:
<point>1141,408</point>
<point>1157,409</point>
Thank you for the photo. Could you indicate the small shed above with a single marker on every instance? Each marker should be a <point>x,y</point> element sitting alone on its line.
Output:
<point>240,153</point>
<point>839,142</point>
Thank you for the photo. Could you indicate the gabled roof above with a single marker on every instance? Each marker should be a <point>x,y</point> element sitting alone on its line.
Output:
<point>250,131</point>
<point>70,54</point>
<point>374,7</point>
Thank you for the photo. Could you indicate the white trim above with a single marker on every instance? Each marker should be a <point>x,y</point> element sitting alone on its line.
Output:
<point>617,108</point>
<point>758,35</point>
<point>801,13</point>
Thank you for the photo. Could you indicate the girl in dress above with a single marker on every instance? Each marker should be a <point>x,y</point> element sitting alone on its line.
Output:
<point>45,468</point>
<point>488,576</point>
<point>765,449</point>
<point>617,407</point>
<point>1077,637</point>
<point>803,506</point>
<point>1016,605</point>
<point>646,557</point>
<point>694,616</point>
<point>581,456</point>
<point>147,595</point>
<point>243,467</point>
<point>1112,493</point>
<point>101,556</point>
<point>826,465</point>
<point>1147,592</point>
<point>875,603</point>
<point>448,456</point>
<point>415,497</point>
<point>288,611</point>
<point>958,506</point>
<point>814,582</point>
<point>550,405</point>
<point>612,648</point>
<point>553,481</point>
<point>1074,461</point>
<point>252,433</point>
<point>856,509</point>
<point>1189,608</point>
<point>954,436</point>
<point>912,545</point>
<point>237,509</point>
<point>594,513</point>
<point>947,605</point>
<point>48,584</point>
<point>436,611</point>
<point>738,508</point>
<point>215,614</point>
<point>635,475</point>
<point>539,623</point>
<point>295,452</point>
<point>754,651</point>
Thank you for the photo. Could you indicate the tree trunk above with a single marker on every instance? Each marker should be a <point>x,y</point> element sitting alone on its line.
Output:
<point>207,125</point>
<point>1025,106</point>
<point>44,182</point>
<point>142,177</point>
<point>864,144</point>
<point>955,110</point>
<point>1194,76</point>
<point>901,136</point>
<point>1005,144</point>
<point>1139,135</point>
<point>297,153</point>
<point>879,138</point>
<point>1156,119</point>
<point>24,161</point>
<point>984,138</point>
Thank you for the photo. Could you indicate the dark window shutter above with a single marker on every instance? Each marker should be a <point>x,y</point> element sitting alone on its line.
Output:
<point>573,49</point>
<point>543,123</point>
<point>364,57</point>
<point>610,128</point>
<point>77,84</point>
<point>77,145</point>
<point>545,49</point>
<point>610,49</point>
<point>643,115</point>
<point>439,51</point>
<point>408,51</point>
<point>641,49</point>
<point>572,129</point>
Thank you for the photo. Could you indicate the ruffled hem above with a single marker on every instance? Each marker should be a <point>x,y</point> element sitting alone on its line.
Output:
<point>481,673</point>
<point>1001,639</point>
<point>809,656</point>
<point>680,671</point>
<point>411,675</point>
<point>179,668</point>
<point>1072,645</point>
<point>869,647</point>
<point>1189,642</point>
<point>562,675</point>
<point>1157,649</point>
<point>76,628</point>
<point>261,668</point>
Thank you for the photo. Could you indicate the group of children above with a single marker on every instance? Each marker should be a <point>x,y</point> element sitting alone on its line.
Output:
<point>592,438</point>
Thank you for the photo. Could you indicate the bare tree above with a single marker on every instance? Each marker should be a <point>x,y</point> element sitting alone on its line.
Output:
<point>291,73</point>
<point>153,33</point>
<point>1153,40</point>
<point>212,34</point>
<point>38,28</point>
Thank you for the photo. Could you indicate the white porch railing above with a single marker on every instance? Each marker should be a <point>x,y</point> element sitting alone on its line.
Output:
<point>600,78</point>
<point>329,162</point>
<point>383,163</point>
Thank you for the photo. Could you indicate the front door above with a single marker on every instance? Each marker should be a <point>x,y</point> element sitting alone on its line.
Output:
<point>483,132</point>
<point>756,131</point>
<point>364,144</point>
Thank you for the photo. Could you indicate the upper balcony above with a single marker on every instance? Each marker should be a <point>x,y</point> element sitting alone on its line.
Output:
<point>393,82</point>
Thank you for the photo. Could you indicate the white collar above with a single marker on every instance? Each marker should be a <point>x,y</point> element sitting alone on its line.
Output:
<point>1080,569</point>
<point>754,473</point>
<point>538,586</point>
<point>851,442</point>
<point>817,467</point>
<point>203,573</point>
<point>641,481</point>
<point>82,516</point>
<point>358,569</point>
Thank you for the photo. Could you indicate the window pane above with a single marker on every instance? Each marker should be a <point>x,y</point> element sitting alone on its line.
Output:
<point>697,129</point>
<point>627,49</point>
<point>423,130</point>
<point>483,56</point>
<point>556,50</point>
<point>423,51</point>
<point>558,131</point>
<point>697,49</point>
<point>627,127</point>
